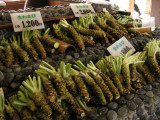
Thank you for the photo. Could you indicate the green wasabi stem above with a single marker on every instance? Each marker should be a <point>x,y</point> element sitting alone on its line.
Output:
<point>9,57</point>
<point>24,100</point>
<point>127,60</point>
<point>15,44</point>
<point>98,77</point>
<point>65,71</point>
<point>26,38</point>
<point>34,86</point>
<point>73,33</point>
<point>2,105</point>
<point>151,49</point>
<point>49,40</point>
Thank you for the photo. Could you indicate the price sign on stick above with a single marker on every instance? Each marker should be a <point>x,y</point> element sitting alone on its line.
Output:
<point>122,45</point>
<point>30,20</point>
<point>82,9</point>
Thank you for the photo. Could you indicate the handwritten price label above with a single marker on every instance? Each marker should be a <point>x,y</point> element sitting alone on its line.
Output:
<point>30,20</point>
<point>122,45</point>
<point>82,9</point>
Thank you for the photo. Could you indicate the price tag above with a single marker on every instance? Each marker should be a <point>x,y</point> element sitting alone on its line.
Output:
<point>82,9</point>
<point>149,22</point>
<point>30,20</point>
<point>122,45</point>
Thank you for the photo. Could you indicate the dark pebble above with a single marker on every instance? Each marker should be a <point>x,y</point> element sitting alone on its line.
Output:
<point>18,78</point>
<point>144,117</point>
<point>130,96</point>
<point>122,111</point>
<point>148,87</point>
<point>83,53</point>
<point>17,70</point>
<point>131,105</point>
<point>156,91</point>
<point>139,111</point>
<point>76,55</point>
<point>148,106</point>
<point>8,77</point>
<point>92,115</point>
<point>36,66</point>
<point>27,70</point>
<point>157,100</point>
<point>150,94</point>
<point>24,64</point>
<point>55,57</point>
<point>61,56</point>
<point>140,91</point>
<point>111,115</point>
<point>158,111</point>
<point>68,57</point>
<point>144,98</point>
<point>7,70</point>
<point>5,90</point>
<point>135,116</point>
<point>102,110</point>
<point>113,105</point>
<point>72,61</point>
<point>98,44</point>
<point>156,85</point>
<point>14,66</point>
<point>1,76</point>
<point>88,59</point>
<point>154,117</point>
<point>14,85</point>
<point>30,63</point>
<point>102,117</point>
<point>90,52</point>
<point>98,52</point>
<point>121,100</point>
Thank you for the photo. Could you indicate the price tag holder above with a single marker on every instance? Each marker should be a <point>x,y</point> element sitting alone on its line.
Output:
<point>30,20</point>
<point>122,45</point>
<point>82,9</point>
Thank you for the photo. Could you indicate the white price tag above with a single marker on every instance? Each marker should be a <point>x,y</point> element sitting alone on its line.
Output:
<point>149,22</point>
<point>82,9</point>
<point>122,45</point>
<point>30,20</point>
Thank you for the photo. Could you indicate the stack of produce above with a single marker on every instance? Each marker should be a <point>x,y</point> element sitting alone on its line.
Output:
<point>58,93</point>
<point>32,45</point>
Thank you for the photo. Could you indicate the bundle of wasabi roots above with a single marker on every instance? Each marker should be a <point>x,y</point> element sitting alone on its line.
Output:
<point>80,89</point>
<point>102,27</point>
<point>32,45</point>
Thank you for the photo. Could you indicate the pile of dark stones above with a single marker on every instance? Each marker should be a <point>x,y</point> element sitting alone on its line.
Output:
<point>49,11</point>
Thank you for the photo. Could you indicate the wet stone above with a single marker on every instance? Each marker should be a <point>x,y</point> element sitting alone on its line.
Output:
<point>122,111</point>
<point>148,87</point>
<point>76,55</point>
<point>1,76</point>
<point>68,57</point>
<point>36,66</point>
<point>154,117</point>
<point>156,100</point>
<point>158,111</point>
<point>131,105</point>
<point>8,77</point>
<point>121,100</point>
<point>92,115</point>
<point>144,117</point>
<point>24,64</point>
<point>102,117</point>
<point>111,115</point>
<point>27,70</point>
<point>139,111</point>
<point>148,106</point>
<point>113,105</point>
<point>14,85</point>
<point>140,91</point>
<point>156,91</point>
<point>14,66</point>
<point>7,70</point>
<point>98,44</point>
<point>98,52</point>
<point>102,110</point>
<point>17,70</point>
<point>30,63</point>
<point>61,56</point>
<point>144,98</point>
<point>90,52</point>
<point>130,96</point>
<point>156,85</point>
<point>150,94</point>
<point>83,53</point>
<point>18,78</point>
<point>135,116</point>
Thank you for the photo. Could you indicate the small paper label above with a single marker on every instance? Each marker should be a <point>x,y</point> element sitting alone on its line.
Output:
<point>82,9</point>
<point>122,45</point>
<point>30,20</point>
<point>149,22</point>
